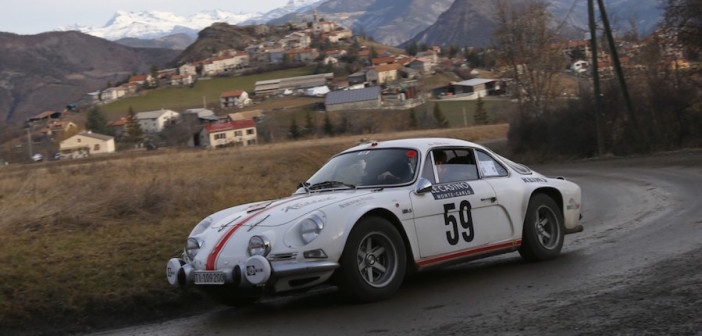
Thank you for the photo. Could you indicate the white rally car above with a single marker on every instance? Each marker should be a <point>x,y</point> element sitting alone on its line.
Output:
<point>374,212</point>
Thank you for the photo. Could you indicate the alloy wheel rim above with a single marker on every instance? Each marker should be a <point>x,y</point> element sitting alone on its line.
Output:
<point>376,259</point>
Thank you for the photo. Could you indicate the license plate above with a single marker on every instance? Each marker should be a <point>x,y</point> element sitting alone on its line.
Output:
<point>209,278</point>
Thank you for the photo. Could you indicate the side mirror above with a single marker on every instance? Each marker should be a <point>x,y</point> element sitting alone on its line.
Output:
<point>423,186</point>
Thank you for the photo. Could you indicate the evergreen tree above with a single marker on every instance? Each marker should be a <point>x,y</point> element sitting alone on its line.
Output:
<point>310,128</point>
<point>412,123</point>
<point>328,127</point>
<point>294,132</point>
<point>480,117</point>
<point>133,129</point>
<point>154,76</point>
<point>439,117</point>
<point>343,126</point>
<point>97,122</point>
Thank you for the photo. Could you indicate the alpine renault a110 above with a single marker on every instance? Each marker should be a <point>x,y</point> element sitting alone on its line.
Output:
<point>372,214</point>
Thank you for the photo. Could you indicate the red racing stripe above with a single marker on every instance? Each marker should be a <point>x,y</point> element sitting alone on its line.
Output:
<point>469,252</point>
<point>214,254</point>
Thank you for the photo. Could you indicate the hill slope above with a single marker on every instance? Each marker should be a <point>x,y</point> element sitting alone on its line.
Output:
<point>472,22</point>
<point>47,71</point>
<point>390,22</point>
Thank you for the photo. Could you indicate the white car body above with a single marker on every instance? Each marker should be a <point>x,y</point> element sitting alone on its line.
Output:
<point>301,239</point>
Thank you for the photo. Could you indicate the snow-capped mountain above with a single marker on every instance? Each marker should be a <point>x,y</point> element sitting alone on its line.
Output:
<point>156,24</point>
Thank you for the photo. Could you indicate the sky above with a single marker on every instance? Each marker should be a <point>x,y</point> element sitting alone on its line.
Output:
<point>37,16</point>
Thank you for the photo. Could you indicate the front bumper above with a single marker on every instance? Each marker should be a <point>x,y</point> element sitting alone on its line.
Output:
<point>256,271</point>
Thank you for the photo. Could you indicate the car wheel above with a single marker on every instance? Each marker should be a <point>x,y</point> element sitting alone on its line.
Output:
<point>373,263</point>
<point>542,236</point>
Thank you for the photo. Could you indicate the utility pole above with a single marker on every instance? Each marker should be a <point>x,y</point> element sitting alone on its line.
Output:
<point>599,124</point>
<point>618,69</point>
<point>29,143</point>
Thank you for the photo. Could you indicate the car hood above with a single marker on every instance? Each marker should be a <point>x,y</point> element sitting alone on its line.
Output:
<point>282,211</point>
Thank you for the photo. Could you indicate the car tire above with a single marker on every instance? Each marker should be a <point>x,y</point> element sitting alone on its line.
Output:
<point>373,264</point>
<point>542,235</point>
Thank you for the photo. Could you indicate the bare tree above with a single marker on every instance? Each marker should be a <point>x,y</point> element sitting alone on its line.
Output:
<point>524,37</point>
<point>685,18</point>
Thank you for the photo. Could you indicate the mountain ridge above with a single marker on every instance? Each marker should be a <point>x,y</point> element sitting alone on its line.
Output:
<point>49,70</point>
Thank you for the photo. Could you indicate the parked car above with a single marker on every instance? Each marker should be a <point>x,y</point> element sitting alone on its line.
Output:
<point>37,157</point>
<point>374,212</point>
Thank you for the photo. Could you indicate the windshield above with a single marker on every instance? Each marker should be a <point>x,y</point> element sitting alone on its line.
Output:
<point>375,167</point>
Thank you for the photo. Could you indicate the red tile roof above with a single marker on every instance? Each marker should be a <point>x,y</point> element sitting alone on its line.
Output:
<point>228,126</point>
<point>381,60</point>
<point>137,78</point>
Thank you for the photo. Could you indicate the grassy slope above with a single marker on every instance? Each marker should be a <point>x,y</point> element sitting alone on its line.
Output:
<point>86,241</point>
<point>185,97</point>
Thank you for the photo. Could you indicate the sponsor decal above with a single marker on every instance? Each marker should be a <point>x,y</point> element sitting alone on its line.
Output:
<point>450,190</point>
<point>572,205</point>
<point>355,201</point>
<point>307,203</point>
<point>534,180</point>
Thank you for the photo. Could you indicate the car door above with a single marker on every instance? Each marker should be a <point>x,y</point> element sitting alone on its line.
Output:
<point>459,213</point>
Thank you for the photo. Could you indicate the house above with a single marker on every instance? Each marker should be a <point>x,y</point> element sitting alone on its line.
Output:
<point>142,79</point>
<point>61,126</point>
<point>367,98</point>
<point>276,86</point>
<point>468,89</point>
<point>156,121</point>
<point>302,55</point>
<point>383,60</point>
<point>44,116</point>
<point>423,65</point>
<point>387,73</point>
<point>87,143</point>
<point>112,94</point>
<point>357,78</point>
<point>199,116</point>
<point>119,127</point>
<point>188,69</point>
<point>177,80</point>
<point>236,133</point>
<point>236,98</point>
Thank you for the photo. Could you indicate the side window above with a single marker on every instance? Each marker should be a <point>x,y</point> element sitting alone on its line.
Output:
<point>453,165</point>
<point>428,169</point>
<point>489,167</point>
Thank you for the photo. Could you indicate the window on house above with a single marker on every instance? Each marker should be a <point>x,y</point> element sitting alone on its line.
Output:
<point>250,131</point>
<point>220,136</point>
<point>78,139</point>
<point>251,142</point>
<point>237,133</point>
<point>96,147</point>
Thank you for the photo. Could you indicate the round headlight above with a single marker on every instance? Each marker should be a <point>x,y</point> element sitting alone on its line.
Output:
<point>192,247</point>
<point>310,228</point>
<point>259,245</point>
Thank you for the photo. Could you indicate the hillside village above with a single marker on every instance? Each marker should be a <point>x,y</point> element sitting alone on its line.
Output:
<point>349,76</point>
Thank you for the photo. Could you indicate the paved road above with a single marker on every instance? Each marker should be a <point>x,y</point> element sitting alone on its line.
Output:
<point>635,270</point>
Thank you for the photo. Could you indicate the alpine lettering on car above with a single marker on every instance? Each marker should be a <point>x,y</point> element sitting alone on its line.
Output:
<point>465,217</point>
<point>304,204</point>
<point>450,190</point>
<point>356,201</point>
<point>534,180</point>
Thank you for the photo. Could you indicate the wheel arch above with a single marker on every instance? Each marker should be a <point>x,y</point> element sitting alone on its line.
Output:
<point>390,217</point>
<point>551,192</point>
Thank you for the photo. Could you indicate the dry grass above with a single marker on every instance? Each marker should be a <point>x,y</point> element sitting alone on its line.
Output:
<point>84,240</point>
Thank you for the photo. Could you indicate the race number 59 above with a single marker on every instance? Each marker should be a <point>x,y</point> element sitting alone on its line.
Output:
<point>454,234</point>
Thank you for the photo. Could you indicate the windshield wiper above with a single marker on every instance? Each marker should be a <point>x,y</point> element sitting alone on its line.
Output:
<point>304,185</point>
<point>330,184</point>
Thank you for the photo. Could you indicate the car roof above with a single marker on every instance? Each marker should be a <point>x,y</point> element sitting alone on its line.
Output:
<point>422,144</point>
